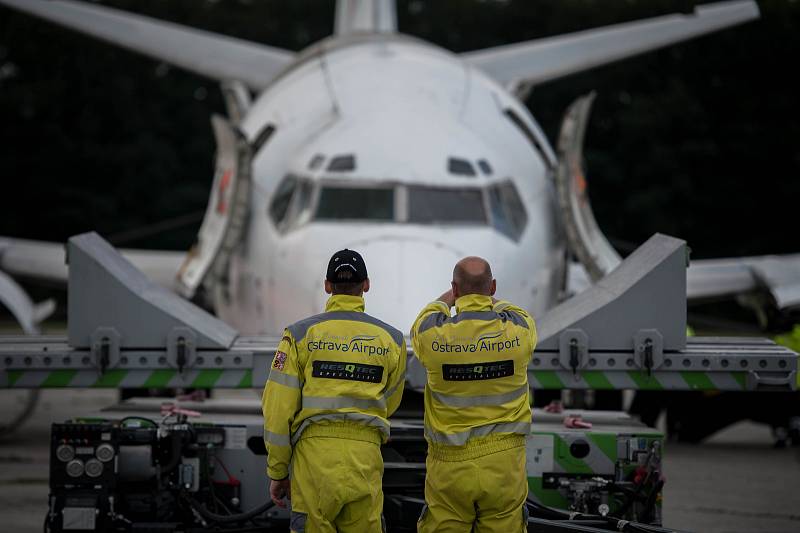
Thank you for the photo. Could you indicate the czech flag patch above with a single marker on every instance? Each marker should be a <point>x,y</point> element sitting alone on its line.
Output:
<point>279,361</point>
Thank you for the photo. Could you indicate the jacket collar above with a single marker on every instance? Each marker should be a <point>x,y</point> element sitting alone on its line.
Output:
<point>344,302</point>
<point>473,302</point>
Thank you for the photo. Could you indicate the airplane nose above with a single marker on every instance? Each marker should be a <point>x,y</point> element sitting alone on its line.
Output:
<point>405,275</point>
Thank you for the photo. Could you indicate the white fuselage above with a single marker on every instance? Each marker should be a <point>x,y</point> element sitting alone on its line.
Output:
<point>402,109</point>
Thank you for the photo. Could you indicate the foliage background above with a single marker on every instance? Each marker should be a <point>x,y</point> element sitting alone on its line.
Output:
<point>698,140</point>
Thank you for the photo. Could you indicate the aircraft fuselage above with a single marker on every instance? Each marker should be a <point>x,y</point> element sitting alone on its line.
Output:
<point>400,150</point>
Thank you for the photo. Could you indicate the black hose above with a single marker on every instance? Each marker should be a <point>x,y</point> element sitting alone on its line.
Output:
<point>650,502</point>
<point>253,529</point>
<point>227,519</point>
<point>549,513</point>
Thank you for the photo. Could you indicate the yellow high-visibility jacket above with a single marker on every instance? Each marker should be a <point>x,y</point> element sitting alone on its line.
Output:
<point>477,371</point>
<point>337,374</point>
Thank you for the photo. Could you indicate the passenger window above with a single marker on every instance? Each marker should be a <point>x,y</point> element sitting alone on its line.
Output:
<point>428,205</point>
<point>282,198</point>
<point>350,203</point>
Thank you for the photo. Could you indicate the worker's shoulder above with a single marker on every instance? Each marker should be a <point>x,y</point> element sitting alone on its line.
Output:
<point>300,328</point>
<point>394,333</point>
<point>516,315</point>
<point>504,313</point>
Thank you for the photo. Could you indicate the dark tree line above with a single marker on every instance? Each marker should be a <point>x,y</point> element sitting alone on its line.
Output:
<point>698,140</point>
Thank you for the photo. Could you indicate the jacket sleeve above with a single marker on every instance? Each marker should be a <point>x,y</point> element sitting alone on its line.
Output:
<point>280,404</point>
<point>396,382</point>
<point>507,307</point>
<point>433,314</point>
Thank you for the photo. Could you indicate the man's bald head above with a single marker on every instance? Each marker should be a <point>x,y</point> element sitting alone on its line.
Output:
<point>473,275</point>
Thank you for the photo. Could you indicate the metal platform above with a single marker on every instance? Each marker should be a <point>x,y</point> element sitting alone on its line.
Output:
<point>625,332</point>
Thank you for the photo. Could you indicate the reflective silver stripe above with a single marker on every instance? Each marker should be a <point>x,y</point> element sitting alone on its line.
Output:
<point>341,402</point>
<point>367,420</point>
<point>439,319</point>
<point>389,392</point>
<point>473,315</point>
<point>499,306</point>
<point>276,438</point>
<point>461,438</point>
<point>432,320</point>
<point>475,401</point>
<point>284,379</point>
<point>299,329</point>
<point>515,318</point>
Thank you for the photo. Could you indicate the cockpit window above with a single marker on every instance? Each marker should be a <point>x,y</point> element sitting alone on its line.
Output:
<point>351,203</point>
<point>279,206</point>
<point>460,167</point>
<point>508,213</point>
<point>342,163</point>
<point>428,205</point>
<point>297,200</point>
<point>302,202</point>
<point>316,162</point>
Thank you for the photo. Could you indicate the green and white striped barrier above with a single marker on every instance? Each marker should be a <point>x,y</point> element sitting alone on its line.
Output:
<point>706,365</point>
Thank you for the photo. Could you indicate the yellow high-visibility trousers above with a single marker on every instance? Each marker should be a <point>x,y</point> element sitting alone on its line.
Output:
<point>482,495</point>
<point>336,486</point>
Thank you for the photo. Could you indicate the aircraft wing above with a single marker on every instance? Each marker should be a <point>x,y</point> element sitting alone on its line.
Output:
<point>546,59</point>
<point>707,279</point>
<point>213,55</point>
<point>45,262</point>
<point>723,279</point>
<point>719,278</point>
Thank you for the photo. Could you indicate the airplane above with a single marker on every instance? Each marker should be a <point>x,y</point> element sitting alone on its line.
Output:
<point>415,156</point>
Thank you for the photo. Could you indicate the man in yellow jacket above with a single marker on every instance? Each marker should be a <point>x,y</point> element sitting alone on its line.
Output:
<point>335,380</point>
<point>477,406</point>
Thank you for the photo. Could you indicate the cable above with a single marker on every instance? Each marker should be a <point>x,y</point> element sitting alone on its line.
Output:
<point>231,478</point>
<point>222,519</point>
<point>650,502</point>
<point>548,513</point>
<point>254,529</point>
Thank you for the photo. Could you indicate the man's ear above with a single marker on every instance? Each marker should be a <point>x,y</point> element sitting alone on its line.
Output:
<point>454,288</point>
<point>365,286</point>
<point>494,287</point>
<point>328,287</point>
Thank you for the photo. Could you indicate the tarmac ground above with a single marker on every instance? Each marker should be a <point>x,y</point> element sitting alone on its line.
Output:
<point>735,482</point>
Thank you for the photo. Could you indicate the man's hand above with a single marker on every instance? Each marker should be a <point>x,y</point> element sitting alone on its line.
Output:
<point>280,490</point>
<point>447,298</point>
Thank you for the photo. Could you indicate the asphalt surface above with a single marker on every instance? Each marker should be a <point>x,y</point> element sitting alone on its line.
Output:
<point>734,483</point>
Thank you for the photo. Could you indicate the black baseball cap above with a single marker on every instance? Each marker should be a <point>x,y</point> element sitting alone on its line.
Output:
<point>346,266</point>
